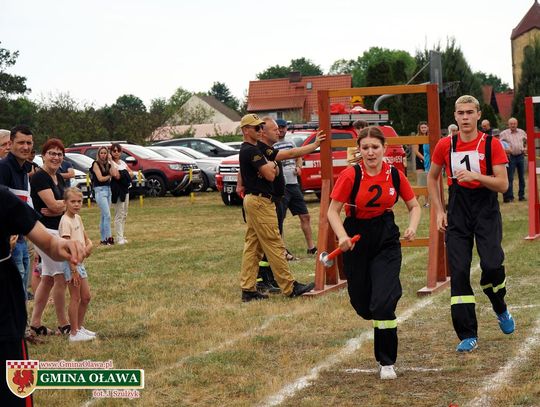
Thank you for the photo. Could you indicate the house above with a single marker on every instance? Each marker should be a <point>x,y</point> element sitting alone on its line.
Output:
<point>293,98</point>
<point>220,112</point>
<point>522,35</point>
<point>222,120</point>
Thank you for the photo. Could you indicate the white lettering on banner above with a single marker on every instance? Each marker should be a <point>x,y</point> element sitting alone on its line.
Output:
<point>465,160</point>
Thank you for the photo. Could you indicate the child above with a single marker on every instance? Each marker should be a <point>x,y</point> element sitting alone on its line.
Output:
<point>71,227</point>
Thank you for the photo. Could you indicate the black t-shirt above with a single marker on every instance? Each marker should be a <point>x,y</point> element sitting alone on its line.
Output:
<point>42,181</point>
<point>278,186</point>
<point>251,159</point>
<point>16,217</point>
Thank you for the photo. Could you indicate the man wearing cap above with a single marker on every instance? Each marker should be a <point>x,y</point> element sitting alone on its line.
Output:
<point>294,199</point>
<point>258,170</point>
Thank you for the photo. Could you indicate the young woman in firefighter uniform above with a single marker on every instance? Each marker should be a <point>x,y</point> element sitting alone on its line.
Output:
<point>475,165</point>
<point>368,191</point>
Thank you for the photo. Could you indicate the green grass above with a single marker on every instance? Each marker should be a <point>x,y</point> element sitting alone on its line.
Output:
<point>169,303</point>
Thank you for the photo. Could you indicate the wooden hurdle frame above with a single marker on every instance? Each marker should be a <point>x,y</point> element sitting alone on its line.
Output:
<point>333,278</point>
<point>534,171</point>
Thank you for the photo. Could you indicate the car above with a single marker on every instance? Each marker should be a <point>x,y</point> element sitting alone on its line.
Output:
<point>78,181</point>
<point>208,146</point>
<point>162,174</point>
<point>83,163</point>
<point>208,165</point>
<point>198,181</point>
<point>235,144</point>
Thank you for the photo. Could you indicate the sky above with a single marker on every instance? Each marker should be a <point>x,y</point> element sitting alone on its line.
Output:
<point>99,50</point>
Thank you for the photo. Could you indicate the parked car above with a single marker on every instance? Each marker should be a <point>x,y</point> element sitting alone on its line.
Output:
<point>78,181</point>
<point>162,175</point>
<point>83,163</point>
<point>208,165</point>
<point>208,146</point>
<point>235,144</point>
<point>199,183</point>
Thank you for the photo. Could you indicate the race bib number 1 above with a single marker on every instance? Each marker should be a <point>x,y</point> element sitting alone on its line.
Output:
<point>465,160</point>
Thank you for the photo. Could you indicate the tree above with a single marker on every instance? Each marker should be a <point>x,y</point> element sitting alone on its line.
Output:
<point>130,119</point>
<point>492,80</point>
<point>274,72</point>
<point>342,66</point>
<point>222,93</point>
<point>306,67</point>
<point>10,84</point>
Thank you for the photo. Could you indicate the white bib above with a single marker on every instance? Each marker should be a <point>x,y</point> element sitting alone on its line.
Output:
<point>465,160</point>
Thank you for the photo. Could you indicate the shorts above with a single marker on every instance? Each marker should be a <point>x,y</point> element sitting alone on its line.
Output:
<point>80,269</point>
<point>49,267</point>
<point>294,200</point>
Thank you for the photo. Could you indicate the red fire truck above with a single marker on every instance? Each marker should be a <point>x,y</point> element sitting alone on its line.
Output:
<point>342,128</point>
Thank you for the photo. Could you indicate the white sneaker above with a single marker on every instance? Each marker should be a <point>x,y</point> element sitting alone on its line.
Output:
<point>87,331</point>
<point>80,337</point>
<point>121,241</point>
<point>388,373</point>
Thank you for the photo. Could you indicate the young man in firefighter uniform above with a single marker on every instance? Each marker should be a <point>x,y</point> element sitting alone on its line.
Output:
<point>476,169</point>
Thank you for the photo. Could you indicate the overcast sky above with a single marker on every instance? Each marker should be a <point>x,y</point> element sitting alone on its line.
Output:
<point>99,50</point>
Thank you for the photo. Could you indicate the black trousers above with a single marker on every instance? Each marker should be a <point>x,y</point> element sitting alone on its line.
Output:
<point>473,214</point>
<point>12,350</point>
<point>372,269</point>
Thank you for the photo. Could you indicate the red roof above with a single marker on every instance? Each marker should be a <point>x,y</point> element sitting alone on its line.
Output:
<point>527,23</point>
<point>281,94</point>
<point>504,101</point>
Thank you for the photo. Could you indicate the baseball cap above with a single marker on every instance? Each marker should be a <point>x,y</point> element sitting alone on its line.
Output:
<point>281,123</point>
<point>250,120</point>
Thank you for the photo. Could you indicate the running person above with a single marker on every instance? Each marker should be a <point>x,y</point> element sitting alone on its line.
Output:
<point>475,165</point>
<point>368,191</point>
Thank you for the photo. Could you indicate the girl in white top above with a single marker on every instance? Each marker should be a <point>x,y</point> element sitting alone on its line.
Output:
<point>120,184</point>
<point>72,228</point>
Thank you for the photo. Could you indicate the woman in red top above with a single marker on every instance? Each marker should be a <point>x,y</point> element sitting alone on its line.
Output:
<point>373,264</point>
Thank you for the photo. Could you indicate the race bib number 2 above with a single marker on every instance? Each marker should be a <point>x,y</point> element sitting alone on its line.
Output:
<point>465,160</point>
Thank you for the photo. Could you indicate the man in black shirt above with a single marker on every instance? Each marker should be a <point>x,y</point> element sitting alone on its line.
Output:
<point>17,218</point>
<point>258,170</point>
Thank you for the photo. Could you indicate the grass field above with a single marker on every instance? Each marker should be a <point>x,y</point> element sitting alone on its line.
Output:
<point>169,303</point>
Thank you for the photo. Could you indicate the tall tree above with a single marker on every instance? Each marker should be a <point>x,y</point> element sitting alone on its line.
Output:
<point>529,84</point>
<point>342,66</point>
<point>10,84</point>
<point>222,93</point>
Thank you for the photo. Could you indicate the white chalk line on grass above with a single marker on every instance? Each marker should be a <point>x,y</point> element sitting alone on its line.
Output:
<point>350,347</point>
<point>398,369</point>
<point>499,379</point>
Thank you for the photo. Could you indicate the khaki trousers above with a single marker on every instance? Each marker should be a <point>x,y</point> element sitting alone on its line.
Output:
<point>262,236</point>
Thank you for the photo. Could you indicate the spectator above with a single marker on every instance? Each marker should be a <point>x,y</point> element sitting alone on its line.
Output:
<point>18,218</point>
<point>515,140</point>
<point>14,175</point>
<point>486,127</point>
<point>359,125</point>
<point>257,173</point>
<point>418,151</point>
<point>101,173</point>
<point>120,184</point>
<point>72,228</point>
<point>475,165</point>
<point>294,199</point>
<point>4,143</point>
<point>67,172</point>
<point>372,265</point>
<point>47,195</point>
<point>34,167</point>
<point>453,130</point>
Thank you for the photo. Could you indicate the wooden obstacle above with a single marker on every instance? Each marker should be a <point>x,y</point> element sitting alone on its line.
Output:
<point>333,278</point>
<point>534,170</point>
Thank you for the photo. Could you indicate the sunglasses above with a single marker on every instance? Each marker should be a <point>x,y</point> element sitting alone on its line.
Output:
<point>258,127</point>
